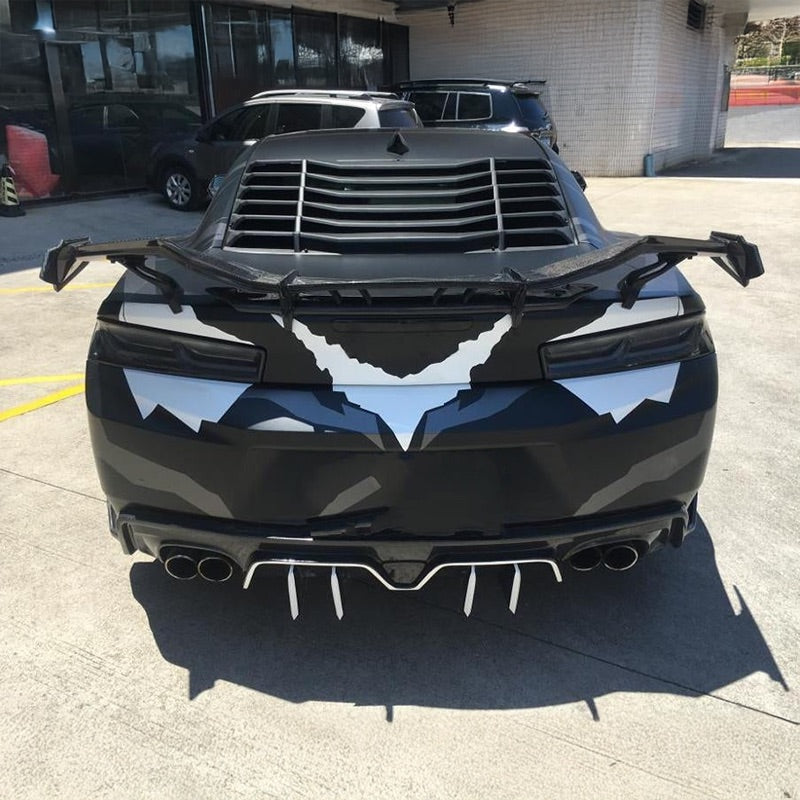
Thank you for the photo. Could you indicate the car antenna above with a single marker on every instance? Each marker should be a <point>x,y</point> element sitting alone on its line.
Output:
<point>398,145</point>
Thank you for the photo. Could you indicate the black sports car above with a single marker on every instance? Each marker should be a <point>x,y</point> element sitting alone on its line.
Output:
<point>401,352</point>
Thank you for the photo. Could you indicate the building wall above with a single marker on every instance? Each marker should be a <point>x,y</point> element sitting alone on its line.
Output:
<point>624,78</point>
<point>688,123</point>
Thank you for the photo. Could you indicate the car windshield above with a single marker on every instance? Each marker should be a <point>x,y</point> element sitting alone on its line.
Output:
<point>398,118</point>
<point>533,112</point>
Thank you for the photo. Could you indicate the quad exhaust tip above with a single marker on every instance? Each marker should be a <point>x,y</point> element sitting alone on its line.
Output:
<point>586,559</point>
<point>215,569</point>
<point>187,563</point>
<point>617,557</point>
<point>620,557</point>
<point>181,566</point>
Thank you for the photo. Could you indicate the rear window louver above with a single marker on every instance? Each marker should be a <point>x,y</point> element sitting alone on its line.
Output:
<point>309,206</point>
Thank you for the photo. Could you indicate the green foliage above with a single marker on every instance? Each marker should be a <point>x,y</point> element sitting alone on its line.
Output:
<point>764,62</point>
<point>769,43</point>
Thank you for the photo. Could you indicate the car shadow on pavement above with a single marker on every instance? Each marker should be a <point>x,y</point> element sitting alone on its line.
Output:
<point>743,162</point>
<point>665,626</point>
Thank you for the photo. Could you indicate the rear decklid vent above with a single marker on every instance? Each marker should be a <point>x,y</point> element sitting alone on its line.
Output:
<point>264,215</point>
<point>533,210</point>
<point>311,206</point>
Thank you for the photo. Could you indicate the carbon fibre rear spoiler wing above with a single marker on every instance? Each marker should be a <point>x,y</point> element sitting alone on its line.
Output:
<point>738,257</point>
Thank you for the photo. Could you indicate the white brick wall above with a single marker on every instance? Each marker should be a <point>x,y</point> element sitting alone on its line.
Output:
<point>625,77</point>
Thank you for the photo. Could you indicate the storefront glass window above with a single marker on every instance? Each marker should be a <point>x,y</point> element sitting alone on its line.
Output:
<point>360,53</point>
<point>239,51</point>
<point>26,114</point>
<point>89,87</point>
<point>281,37</point>
<point>315,50</point>
<point>127,80</point>
<point>257,49</point>
<point>395,47</point>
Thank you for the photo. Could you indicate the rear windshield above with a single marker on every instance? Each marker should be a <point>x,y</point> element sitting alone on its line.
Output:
<point>398,118</point>
<point>533,112</point>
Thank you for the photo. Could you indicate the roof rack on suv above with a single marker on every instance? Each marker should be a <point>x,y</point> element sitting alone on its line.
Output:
<point>472,82</point>
<point>354,93</point>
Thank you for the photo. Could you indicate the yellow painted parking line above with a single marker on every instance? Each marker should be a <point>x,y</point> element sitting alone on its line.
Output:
<point>47,400</point>
<point>70,376</point>
<point>72,287</point>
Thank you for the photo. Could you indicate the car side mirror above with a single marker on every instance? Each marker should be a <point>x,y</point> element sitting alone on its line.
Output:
<point>202,135</point>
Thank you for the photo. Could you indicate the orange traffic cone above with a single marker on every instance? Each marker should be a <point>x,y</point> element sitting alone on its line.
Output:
<point>9,200</point>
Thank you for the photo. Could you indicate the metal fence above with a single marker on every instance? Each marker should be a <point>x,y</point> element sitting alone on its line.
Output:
<point>775,73</point>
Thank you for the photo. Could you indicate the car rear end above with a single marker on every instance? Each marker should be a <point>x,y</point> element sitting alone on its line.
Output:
<point>401,401</point>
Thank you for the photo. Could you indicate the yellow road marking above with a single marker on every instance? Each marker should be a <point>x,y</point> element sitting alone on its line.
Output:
<point>72,287</point>
<point>71,376</point>
<point>48,399</point>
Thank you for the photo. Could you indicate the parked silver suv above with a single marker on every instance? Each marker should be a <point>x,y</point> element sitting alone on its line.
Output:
<point>181,170</point>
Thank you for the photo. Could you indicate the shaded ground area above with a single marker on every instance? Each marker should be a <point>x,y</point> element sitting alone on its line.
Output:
<point>763,124</point>
<point>642,646</point>
<point>760,142</point>
<point>743,162</point>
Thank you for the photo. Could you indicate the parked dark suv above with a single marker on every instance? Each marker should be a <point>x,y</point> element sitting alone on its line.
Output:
<point>181,170</point>
<point>514,106</point>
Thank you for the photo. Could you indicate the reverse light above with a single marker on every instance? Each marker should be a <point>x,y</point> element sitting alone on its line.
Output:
<point>164,351</point>
<point>659,342</point>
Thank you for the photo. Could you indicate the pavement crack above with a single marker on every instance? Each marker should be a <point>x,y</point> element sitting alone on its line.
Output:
<point>52,485</point>
<point>608,662</point>
<point>703,790</point>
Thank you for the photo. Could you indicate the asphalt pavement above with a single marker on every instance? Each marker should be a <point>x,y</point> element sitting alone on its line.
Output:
<point>678,679</point>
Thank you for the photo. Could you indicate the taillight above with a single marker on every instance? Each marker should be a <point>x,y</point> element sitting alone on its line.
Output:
<point>175,353</point>
<point>627,348</point>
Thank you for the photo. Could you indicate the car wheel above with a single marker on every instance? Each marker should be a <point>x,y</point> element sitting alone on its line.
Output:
<point>180,187</point>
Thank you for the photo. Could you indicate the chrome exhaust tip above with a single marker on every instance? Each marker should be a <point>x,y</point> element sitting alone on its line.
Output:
<point>215,569</point>
<point>181,566</point>
<point>586,559</point>
<point>620,557</point>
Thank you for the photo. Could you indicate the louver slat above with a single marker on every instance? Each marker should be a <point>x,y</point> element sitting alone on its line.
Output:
<point>533,210</point>
<point>320,207</point>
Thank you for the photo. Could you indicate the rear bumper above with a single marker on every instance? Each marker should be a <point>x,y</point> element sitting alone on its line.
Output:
<point>398,564</point>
